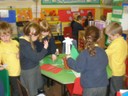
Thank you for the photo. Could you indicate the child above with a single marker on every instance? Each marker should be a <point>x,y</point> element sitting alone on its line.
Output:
<point>29,58</point>
<point>91,63</point>
<point>89,18</point>
<point>46,35</point>
<point>117,52</point>
<point>76,27</point>
<point>9,54</point>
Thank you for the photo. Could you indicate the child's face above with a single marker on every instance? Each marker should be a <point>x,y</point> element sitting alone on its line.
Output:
<point>45,33</point>
<point>32,34</point>
<point>34,38</point>
<point>5,37</point>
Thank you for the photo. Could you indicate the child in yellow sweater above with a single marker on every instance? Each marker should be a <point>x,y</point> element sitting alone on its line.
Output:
<point>9,55</point>
<point>117,52</point>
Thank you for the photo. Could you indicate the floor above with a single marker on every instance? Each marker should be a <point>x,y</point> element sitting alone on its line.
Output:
<point>55,89</point>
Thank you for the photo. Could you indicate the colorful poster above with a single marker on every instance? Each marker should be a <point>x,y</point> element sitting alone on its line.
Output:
<point>49,13</point>
<point>67,15</point>
<point>23,14</point>
<point>117,11</point>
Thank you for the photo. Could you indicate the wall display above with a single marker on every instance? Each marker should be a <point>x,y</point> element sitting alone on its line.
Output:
<point>124,21</point>
<point>11,17</point>
<point>4,13</point>
<point>65,15</point>
<point>117,13</point>
<point>49,14</point>
<point>23,14</point>
<point>70,1</point>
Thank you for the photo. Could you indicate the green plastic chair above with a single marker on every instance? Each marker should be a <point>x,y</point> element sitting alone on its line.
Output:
<point>5,79</point>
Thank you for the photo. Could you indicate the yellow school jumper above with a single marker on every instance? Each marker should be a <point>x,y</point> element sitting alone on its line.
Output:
<point>9,54</point>
<point>117,52</point>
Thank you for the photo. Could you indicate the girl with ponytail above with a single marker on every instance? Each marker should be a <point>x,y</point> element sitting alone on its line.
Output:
<point>91,63</point>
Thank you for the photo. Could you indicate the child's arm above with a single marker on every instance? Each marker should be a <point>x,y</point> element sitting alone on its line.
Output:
<point>27,51</point>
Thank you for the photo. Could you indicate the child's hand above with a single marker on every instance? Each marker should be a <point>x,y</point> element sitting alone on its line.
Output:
<point>68,56</point>
<point>45,44</point>
<point>54,57</point>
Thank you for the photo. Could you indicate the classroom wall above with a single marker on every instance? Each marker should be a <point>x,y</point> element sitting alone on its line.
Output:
<point>25,5</point>
<point>30,4</point>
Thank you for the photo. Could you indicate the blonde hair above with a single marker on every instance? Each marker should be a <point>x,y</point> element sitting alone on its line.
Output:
<point>45,27</point>
<point>5,28</point>
<point>114,28</point>
<point>92,34</point>
<point>27,30</point>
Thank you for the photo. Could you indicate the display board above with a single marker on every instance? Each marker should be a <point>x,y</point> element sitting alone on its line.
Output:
<point>23,14</point>
<point>117,13</point>
<point>10,17</point>
<point>67,15</point>
<point>70,1</point>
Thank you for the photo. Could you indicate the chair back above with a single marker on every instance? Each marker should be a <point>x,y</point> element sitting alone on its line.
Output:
<point>23,91</point>
<point>77,89</point>
<point>68,32</point>
<point>5,80</point>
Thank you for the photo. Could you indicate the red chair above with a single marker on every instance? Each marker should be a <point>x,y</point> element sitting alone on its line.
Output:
<point>118,94</point>
<point>75,88</point>
<point>67,32</point>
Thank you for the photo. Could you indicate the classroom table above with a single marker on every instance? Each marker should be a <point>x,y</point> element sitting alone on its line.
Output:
<point>65,76</point>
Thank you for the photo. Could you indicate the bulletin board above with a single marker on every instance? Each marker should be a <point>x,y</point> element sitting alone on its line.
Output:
<point>43,2</point>
<point>65,15</point>
<point>11,17</point>
<point>23,14</point>
<point>48,12</point>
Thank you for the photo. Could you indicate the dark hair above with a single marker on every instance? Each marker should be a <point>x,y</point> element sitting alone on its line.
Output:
<point>89,14</point>
<point>79,18</point>
<point>103,17</point>
<point>91,36</point>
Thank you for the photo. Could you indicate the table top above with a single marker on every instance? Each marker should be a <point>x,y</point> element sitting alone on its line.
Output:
<point>65,76</point>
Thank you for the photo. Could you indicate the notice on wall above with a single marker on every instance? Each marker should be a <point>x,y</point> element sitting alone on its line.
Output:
<point>4,13</point>
<point>117,13</point>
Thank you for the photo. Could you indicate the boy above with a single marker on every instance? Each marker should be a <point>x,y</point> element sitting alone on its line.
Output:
<point>9,55</point>
<point>117,52</point>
